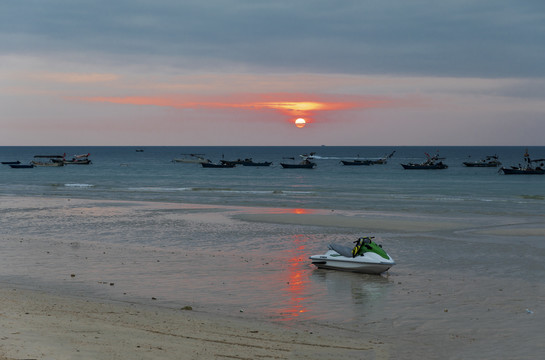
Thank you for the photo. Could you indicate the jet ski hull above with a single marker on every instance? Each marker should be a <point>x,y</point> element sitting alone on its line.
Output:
<point>369,263</point>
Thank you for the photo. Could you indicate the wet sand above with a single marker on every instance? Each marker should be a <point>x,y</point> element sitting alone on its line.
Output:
<point>37,325</point>
<point>446,301</point>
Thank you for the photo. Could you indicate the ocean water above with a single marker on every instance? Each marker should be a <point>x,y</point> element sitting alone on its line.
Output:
<point>136,226</point>
<point>121,173</point>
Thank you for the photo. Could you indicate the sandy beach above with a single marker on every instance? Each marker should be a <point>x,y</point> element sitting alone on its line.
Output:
<point>36,325</point>
<point>98,291</point>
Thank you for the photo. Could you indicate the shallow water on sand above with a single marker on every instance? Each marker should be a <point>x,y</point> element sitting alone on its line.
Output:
<point>465,279</point>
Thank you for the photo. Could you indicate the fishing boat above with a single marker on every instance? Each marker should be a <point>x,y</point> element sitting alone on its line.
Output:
<point>425,166</point>
<point>250,162</point>
<point>46,164</point>
<point>383,160</point>
<point>21,166</point>
<point>220,165</point>
<point>82,159</point>
<point>380,161</point>
<point>234,162</point>
<point>489,161</point>
<point>431,163</point>
<point>523,171</point>
<point>529,168</point>
<point>357,162</point>
<point>50,163</point>
<point>366,257</point>
<point>78,160</point>
<point>50,156</point>
<point>192,159</point>
<point>305,164</point>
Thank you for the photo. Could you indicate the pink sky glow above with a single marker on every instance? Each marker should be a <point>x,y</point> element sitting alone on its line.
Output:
<point>118,106</point>
<point>291,105</point>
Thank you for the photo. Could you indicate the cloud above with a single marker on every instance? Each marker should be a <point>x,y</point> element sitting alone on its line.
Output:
<point>291,105</point>
<point>75,77</point>
<point>487,38</point>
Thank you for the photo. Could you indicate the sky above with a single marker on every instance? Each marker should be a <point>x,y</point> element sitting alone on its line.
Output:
<point>240,72</point>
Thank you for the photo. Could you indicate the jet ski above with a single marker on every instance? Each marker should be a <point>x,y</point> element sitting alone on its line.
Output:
<point>365,257</point>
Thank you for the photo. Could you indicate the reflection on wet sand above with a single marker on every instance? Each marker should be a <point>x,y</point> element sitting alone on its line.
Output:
<point>296,279</point>
<point>366,292</point>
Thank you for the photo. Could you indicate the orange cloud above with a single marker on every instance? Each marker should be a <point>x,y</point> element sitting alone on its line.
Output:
<point>292,105</point>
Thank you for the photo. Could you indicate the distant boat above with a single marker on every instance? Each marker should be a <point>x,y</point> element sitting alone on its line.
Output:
<point>11,162</point>
<point>245,162</point>
<point>78,160</point>
<point>234,162</point>
<point>305,164</point>
<point>357,162</point>
<point>522,171</point>
<point>528,168</point>
<point>431,163</point>
<point>139,150</point>
<point>192,159</point>
<point>250,162</point>
<point>424,166</point>
<point>383,160</point>
<point>21,166</point>
<point>489,161</point>
<point>47,164</point>
<point>367,162</point>
<point>220,165</point>
<point>53,160</point>
<point>50,156</point>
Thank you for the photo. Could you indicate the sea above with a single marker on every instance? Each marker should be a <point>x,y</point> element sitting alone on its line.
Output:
<point>123,173</point>
<point>136,226</point>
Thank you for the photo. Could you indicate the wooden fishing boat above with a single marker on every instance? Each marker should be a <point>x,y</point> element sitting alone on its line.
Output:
<point>357,162</point>
<point>76,160</point>
<point>424,166</point>
<point>47,164</point>
<point>305,164</point>
<point>523,171</point>
<point>53,160</point>
<point>431,163</point>
<point>191,159</point>
<point>249,162</point>
<point>529,168</point>
<point>220,165</point>
<point>489,161</point>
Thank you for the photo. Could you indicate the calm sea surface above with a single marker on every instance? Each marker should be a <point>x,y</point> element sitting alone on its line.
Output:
<point>121,173</point>
<point>136,226</point>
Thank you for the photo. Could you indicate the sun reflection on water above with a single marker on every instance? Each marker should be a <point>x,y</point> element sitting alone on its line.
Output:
<point>296,295</point>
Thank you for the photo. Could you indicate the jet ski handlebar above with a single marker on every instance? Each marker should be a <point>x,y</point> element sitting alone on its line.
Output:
<point>370,238</point>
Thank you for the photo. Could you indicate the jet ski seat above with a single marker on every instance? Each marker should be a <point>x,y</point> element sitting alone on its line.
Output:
<point>341,249</point>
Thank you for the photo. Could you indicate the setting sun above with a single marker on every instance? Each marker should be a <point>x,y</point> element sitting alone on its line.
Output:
<point>300,122</point>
